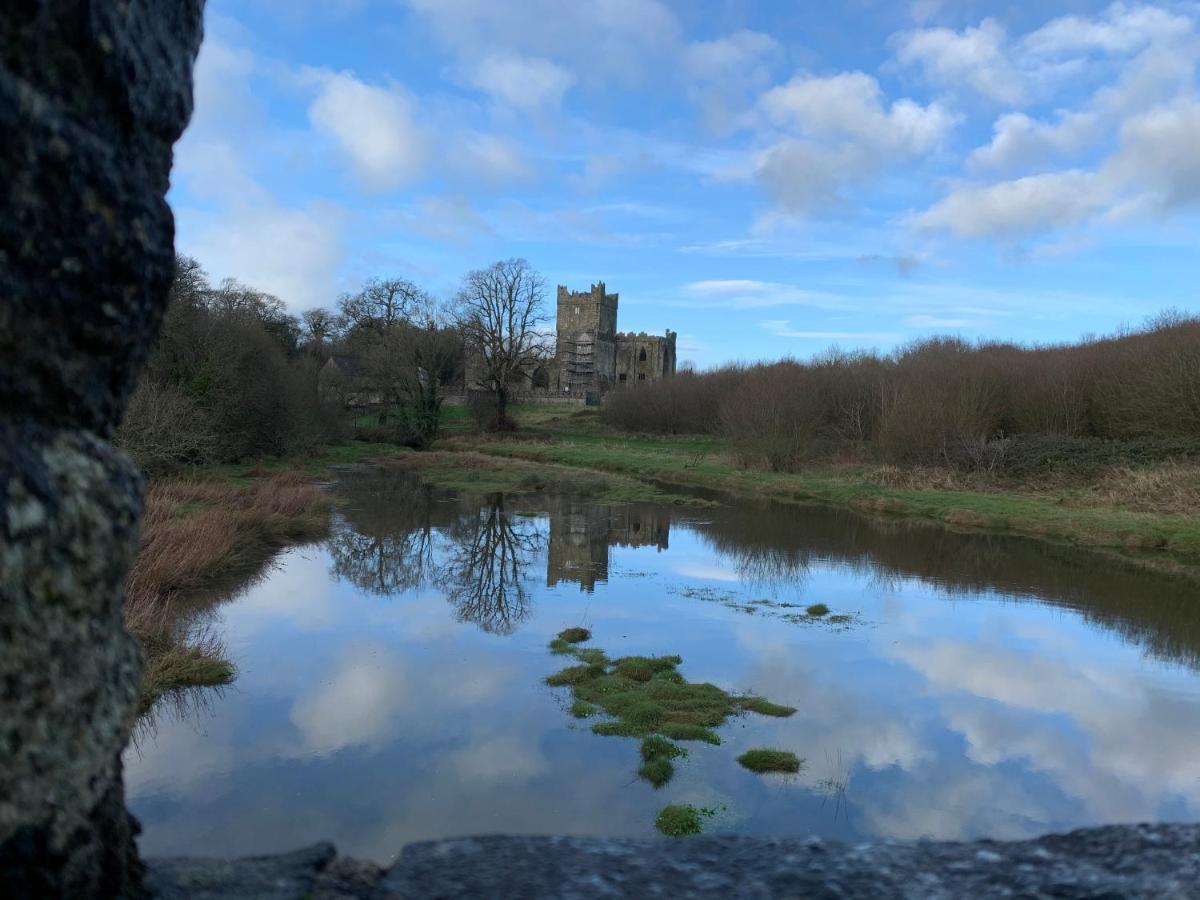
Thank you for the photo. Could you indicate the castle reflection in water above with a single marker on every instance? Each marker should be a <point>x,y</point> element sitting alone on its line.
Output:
<point>582,534</point>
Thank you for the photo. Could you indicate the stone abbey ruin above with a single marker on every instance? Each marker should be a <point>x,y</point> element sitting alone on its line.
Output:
<point>590,355</point>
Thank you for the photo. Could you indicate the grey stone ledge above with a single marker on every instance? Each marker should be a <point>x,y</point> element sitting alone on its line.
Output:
<point>1120,861</point>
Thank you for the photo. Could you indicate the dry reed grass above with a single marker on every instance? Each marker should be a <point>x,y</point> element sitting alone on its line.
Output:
<point>194,534</point>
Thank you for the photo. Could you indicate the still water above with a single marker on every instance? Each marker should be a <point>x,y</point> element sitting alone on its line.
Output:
<point>390,681</point>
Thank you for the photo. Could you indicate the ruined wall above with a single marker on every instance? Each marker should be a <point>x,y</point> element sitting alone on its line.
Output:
<point>93,94</point>
<point>644,357</point>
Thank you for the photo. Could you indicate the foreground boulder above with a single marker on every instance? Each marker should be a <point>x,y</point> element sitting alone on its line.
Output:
<point>93,93</point>
<point>1123,861</point>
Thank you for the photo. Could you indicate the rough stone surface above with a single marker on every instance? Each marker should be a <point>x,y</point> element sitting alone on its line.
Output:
<point>1137,861</point>
<point>93,93</point>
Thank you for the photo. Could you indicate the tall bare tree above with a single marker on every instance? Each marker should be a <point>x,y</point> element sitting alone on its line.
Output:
<point>500,311</point>
<point>383,302</point>
<point>405,349</point>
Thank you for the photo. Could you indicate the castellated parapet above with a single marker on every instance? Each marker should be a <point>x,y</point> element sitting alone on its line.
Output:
<point>591,356</point>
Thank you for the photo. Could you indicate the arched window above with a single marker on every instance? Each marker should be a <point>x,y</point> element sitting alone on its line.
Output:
<point>642,355</point>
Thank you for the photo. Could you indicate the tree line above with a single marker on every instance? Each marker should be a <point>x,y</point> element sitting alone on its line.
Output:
<point>234,375</point>
<point>988,406</point>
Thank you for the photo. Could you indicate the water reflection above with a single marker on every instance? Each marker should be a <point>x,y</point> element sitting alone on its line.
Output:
<point>395,524</point>
<point>390,682</point>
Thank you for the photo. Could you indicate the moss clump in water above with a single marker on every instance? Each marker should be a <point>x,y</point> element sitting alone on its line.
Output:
<point>657,771</point>
<point>657,753</point>
<point>680,820</point>
<point>657,747</point>
<point>581,710</point>
<point>574,635</point>
<point>680,732</point>
<point>770,761</point>
<point>646,695</point>
<point>817,609</point>
<point>575,675</point>
<point>766,707</point>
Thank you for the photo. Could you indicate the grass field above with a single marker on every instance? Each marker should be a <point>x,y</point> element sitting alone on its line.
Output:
<point>1105,515</point>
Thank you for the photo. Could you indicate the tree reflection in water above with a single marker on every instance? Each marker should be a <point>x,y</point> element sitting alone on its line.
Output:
<point>484,573</point>
<point>398,534</point>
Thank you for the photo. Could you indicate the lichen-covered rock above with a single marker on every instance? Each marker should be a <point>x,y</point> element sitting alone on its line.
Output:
<point>93,93</point>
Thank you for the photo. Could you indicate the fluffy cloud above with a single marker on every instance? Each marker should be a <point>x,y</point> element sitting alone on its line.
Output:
<point>1158,157</point>
<point>373,126</point>
<point>1122,153</point>
<point>1121,29</point>
<point>1016,208</point>
<point>225,215</point>
<point>846,134</point>
<point>974,56</point>
<point>527,83</point>
<point>850,105</point>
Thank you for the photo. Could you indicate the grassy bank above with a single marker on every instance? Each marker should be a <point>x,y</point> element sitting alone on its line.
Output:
<point>203,538</point>
<point>482,473</point>
<point>1148,512</point>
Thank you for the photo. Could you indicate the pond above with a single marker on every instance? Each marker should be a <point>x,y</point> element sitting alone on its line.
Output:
<point>391,682</point>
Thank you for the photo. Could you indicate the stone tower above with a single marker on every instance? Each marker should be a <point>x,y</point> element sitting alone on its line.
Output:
<point>585,351</point>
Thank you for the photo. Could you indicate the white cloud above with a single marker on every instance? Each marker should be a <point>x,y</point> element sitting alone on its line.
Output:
<point>1019,141</point>
<point>373,126</point>
<point>723,74</point>
<point>227,218</point>
<point>1121,29</point>
<point>850,106</point>
<point>783,328</point>
<point>491,159</point>
<point>293,253</point>
<point>846,135</point>
<point>1158,153</point>
<point>596,42</point>
<point>975,57</point>
<point>743,293</point>
<point>1019,207</point>
<point>528,83</point>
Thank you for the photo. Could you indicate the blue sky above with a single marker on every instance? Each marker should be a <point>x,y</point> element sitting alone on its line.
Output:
<point>765,178</point>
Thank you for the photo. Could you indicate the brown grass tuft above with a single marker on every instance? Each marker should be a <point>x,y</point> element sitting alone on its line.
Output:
<point>194,534</point>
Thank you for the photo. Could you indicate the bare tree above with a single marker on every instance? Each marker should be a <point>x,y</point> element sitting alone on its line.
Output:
<point>319,326</point>
<point>500,312</point>
<point>383,302</point>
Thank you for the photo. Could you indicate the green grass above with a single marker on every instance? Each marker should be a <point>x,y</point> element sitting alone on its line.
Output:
<point>817,609</point>
<point>176,665</point>
<point>657,771</point>
<point>574,635</point>
<point>770,761</point>
<point>682,819</point>
<point>646,697</point>
<point>657,753</point>
<point>1170,541</point>
<point>473,473</point>
<point>766,707</point>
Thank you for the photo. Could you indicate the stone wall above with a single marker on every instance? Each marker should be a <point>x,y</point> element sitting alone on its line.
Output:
<point>93,94</point>
<point>644,357</point>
